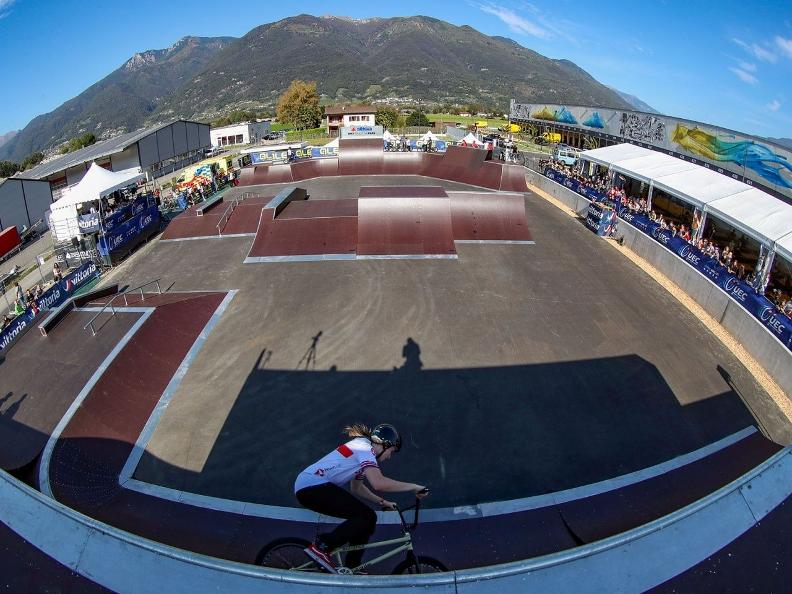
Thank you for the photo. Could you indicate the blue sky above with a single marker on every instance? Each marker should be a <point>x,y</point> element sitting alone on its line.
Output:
<point>728,63</point>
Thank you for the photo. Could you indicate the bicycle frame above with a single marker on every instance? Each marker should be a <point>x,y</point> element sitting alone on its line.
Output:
<point>404,542</point>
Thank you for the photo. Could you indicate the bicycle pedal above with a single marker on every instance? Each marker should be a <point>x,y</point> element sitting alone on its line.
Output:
<point>344,571</point>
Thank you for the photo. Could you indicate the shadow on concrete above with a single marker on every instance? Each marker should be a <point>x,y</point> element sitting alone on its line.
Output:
<point>473,434</point>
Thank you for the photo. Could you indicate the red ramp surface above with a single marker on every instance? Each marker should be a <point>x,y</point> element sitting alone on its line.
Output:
<point>285,239</point>
<point>361,156</point>
<point>405,227</point>
<point>489,217</point>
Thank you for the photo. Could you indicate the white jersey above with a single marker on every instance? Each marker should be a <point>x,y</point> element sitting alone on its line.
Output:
<point>346,462</point>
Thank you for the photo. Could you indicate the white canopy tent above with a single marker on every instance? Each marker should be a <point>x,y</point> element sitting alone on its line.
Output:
<point>744,207</point>
<point>783,247</point>
<point>334,143</point>
<point>95,184</point>
<point>471,140</point>
<point>387,136</point>
<point>430,136</point>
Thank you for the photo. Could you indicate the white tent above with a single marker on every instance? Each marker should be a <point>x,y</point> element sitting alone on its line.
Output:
<point>96,183</point>
<point>470,140</point>
<point>334,143</point>
<point>784,247</point>
<point>430,136</point>
<point>387,136</point>
<point>744,207</point>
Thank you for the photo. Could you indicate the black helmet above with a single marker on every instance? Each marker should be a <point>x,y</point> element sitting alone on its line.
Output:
<point>387,436</point>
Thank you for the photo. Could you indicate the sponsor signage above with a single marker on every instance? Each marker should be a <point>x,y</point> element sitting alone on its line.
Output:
<point>362,131</point>
<point>128,231</point>
<point>759,306</point>
<point>88,223</point>
<point>54,297</point>
<point>299,154</point>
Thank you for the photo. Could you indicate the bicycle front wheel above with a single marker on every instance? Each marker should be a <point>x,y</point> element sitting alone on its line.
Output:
<point>287,553</point>
<point>419,565</point>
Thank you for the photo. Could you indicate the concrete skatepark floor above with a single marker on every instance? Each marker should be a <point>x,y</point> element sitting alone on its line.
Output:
<point>515,370</point>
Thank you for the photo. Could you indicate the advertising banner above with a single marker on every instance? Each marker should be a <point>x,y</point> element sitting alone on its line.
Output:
<point>88,223</point>
<point>128,230</point>
<point>362,131</point>
<point>14,330</point>
<point>52,298</point>
<point>300,154</point>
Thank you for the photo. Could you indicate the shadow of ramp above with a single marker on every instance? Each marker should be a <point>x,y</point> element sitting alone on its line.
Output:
<point>474,434</point>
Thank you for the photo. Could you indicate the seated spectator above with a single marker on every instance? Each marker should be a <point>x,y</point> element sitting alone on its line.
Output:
<point>786,309</point>
<point>56,272</point>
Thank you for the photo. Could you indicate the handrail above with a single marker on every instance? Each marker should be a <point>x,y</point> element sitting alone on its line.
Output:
<point>124,295</point>
<point>230,210</point>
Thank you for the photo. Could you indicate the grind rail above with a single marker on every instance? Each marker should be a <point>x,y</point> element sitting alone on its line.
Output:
<point>109,304</point>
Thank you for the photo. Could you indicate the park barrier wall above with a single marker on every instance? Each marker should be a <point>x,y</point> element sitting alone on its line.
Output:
<point>773,355</point>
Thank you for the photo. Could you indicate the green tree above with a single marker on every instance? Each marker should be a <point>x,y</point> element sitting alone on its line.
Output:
<point>418,118</point>
<point>32,160</point>
<point>78,142</point>
<point>387,117</point>
<point>8,168</point>
<point>299,105</point>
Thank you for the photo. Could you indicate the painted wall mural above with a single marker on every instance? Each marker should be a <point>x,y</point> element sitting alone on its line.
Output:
<point>755,156</point>
<point>746,157</point>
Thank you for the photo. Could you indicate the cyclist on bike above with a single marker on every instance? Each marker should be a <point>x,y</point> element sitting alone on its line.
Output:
<point>318,488</point>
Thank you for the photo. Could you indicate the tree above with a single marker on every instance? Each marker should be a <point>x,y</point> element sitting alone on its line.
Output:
<point>32,160</point>
<point>418,118</point>
<point>299,105</point>
<point>8,168</point>
<point>78,142</point>
<point>386,117</point>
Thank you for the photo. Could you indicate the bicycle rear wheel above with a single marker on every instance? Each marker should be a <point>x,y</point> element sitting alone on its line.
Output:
<point>424,565</point>
<point>287,553</point>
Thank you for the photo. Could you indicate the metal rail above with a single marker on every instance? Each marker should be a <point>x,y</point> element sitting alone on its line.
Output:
<point>230,210</point>
<point>109,304</point>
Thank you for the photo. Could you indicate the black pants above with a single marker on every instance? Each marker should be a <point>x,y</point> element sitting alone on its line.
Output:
<point>331,500</point>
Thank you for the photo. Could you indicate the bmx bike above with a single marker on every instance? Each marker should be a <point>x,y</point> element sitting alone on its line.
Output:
<point>289,553</point>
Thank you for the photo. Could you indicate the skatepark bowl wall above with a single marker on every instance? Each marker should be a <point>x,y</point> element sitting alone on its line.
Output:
<point>366,157</point>
<point>765,348</point>
<point>123,562</point>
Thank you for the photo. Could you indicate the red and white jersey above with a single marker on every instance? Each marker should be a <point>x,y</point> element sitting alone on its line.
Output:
<point>346,462</point>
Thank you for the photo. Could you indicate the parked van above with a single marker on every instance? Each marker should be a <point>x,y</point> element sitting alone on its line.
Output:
<point>566,155</point>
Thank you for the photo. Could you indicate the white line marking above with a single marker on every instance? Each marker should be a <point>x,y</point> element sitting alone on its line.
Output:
<point>46,455</point>
<point>164,400</point>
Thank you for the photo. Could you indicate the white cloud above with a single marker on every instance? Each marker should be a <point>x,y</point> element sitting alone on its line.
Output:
<point>757,51</point>
<point>5,7</point>
<point>744,76</point>
<point>785,45</point>
<point>515,22</point>
<point>748,66</point>
<point>774,105</point>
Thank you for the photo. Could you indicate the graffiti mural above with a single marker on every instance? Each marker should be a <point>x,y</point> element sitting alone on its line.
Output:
<point>748,158</point>
<point>594,121</point>
<point>755,156</point>
<point>642,127</point>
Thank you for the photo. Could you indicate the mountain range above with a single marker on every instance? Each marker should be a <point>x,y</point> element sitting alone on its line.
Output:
<point>405,60</point>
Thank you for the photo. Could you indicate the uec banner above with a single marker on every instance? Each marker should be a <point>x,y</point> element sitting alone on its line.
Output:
<point>52,298</point>
<point>128,231</point>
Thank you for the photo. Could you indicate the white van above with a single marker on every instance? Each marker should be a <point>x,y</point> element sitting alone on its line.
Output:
<point>566,155</point>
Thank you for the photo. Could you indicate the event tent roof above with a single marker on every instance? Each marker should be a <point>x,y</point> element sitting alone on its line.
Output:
<point>784,246</point>
<point>98,182</point>
<point>749,209</point>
